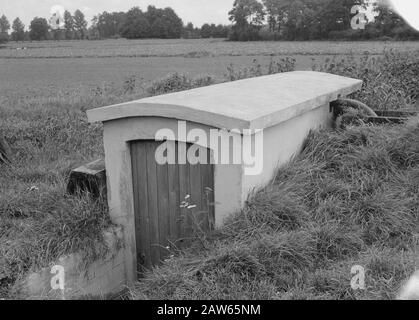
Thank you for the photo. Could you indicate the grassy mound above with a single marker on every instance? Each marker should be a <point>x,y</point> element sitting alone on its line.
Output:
<point>351,198</point>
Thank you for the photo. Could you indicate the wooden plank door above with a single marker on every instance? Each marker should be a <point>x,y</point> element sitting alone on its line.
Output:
<point>173,203</point>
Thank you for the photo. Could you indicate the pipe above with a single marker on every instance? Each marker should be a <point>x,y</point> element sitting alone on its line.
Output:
<point>340,104</point>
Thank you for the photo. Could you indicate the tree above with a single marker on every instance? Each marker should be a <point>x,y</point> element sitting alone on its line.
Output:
<point>4,24</point>
<point>80,24</point>
<point>336,16</point>
<point>295,22</point>
<point>164,23</point>
<point>159,29</point>
<point>276,14</point>
<point>220,31</point>
<point>136,25</point>
<point>154,23</point>
<point>174,23</point>
<point>206,31</point>
<point>389,23</point>
<point>18,28</point>
<point>190,27</point>
<point>190,32</point>
<point>68,25</point>
<point>247,16</point>
<point>109,24</point>
<point>39,29</point>
<point>214,31</point>
<point>305,19</point>
<point>247,12</point>
<point>94,29</point>
<point>4,29</point>
<point>152,14</point>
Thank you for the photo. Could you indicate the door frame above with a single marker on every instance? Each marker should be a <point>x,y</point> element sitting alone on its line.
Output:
<point>164,200</point>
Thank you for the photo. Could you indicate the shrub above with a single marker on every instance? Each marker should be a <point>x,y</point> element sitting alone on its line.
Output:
<point>256,69</point>
<point>178,82</point>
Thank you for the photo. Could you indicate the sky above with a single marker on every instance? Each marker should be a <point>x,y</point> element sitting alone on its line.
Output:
<point>196,11</point>
<point>409,10</point>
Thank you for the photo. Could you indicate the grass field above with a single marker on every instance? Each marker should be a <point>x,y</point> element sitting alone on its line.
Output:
<point>72,65</point>
<point>192,48</point>
<point>45,90</point>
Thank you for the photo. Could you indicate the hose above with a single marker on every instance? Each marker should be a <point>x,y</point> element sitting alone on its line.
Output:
<point>340,105</point>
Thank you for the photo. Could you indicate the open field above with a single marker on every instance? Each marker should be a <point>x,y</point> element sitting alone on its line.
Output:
<point>66,65</point>
<point>193,48</point>
<point>38,75</point>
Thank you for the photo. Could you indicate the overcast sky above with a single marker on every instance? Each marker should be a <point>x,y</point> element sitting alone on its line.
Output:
<point>196,11</point>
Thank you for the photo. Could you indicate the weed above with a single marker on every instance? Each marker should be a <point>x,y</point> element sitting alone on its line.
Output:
<point>390,81</point>
<point>256,69</point>
<point>178,82</point>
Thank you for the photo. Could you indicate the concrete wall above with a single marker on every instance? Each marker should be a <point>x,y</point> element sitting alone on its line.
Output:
<point>284,141</point>
<point>102,278</point>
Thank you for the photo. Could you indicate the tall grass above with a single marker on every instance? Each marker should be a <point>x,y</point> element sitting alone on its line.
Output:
<point>256,69</point>
<point>178,82</point>
<point>391,80</point>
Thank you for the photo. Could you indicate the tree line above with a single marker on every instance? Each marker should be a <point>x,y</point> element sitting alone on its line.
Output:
<point>134,24</point>
<point>74,27</point>
<point>313,20</point>
<point>251,20</point>
<point>153,23</point>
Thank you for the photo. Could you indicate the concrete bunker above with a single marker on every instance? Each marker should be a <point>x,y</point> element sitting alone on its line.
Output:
<point>264,119</point>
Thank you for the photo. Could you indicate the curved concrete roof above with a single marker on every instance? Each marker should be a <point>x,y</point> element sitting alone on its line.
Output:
<point>255,103</point>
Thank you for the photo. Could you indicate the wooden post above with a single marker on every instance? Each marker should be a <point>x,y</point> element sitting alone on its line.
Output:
<point>88,178</point>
